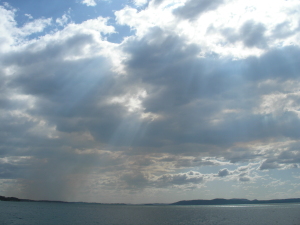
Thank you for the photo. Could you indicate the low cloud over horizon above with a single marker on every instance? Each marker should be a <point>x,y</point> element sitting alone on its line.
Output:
<point>150,101</point>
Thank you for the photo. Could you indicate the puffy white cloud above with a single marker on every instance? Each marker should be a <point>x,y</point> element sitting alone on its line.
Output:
<point>63,20</point>
<point>29,16</point>
<point>35,26</point>
<point>229,28</point>
<point>89,2</point>
<point>140,2</point>
<point>7,28</point>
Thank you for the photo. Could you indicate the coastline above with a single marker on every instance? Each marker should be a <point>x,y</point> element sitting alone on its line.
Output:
<point>217,201</point>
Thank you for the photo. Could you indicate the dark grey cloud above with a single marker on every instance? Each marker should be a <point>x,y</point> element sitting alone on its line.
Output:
<point>269,164</point>
<point>284,30</point>
<point>251,34</point>
<point>289,157</point>
<point>157,2</point>
<point>242,155</point>
<point>67,99</point>
<point>285,159</point>
<point>186,91</point>
<point>13,170</point>
<point>223,173</point>
<point>192,9</point>
<point>244,179</point>
<point>229,33</point>
<point>135,180</point>
<point>278,64</point>
<point>180,179</point>
<point>180,87</point>
<point>142,161</point>
<point>243,173</point>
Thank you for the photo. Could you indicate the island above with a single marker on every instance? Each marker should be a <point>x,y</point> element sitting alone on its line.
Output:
<point>235,201</point>
<point>14,199</point>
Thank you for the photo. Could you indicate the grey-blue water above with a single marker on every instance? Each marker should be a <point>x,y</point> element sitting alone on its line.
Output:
<point>25,213</point>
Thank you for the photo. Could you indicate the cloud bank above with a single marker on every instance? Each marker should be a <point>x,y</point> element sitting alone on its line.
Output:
<point>203,92</point>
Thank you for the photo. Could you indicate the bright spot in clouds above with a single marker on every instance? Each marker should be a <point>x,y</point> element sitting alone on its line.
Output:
<point>150,101</point>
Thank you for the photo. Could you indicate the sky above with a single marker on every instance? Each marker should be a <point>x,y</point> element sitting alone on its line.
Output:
<point>149,101</point>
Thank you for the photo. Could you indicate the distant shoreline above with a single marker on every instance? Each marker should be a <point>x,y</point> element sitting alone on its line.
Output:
<point>217,201</point>
<point>14,199</point>
<point>235,201</point>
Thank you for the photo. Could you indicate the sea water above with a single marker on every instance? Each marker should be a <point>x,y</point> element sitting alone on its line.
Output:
<point>31,213</point>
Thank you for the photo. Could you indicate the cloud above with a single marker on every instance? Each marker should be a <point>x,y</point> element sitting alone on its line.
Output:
<point>8,28</point>
<point>183,94</point>
<point>197,162</point>
<point>139,114</point>
<point>157,2</point>
<point>192,9</point>
<point>37,79</point>
<point>11,33</point>
<point>179,179</point>
<point>269,164</point>
<point>35,26</point>
<point>284,30</point>
<point>89,2</point>
<point>251,34</point>
<point>63,20</point>
<point>14,167</point>
<point>135,180</point>
<point>241,174</point>
<point>29,16</point>
<point>244,179</point>
<point>223,173</point>
<point>188,85</point>
<point>283,160</point>
<point>140,2</point>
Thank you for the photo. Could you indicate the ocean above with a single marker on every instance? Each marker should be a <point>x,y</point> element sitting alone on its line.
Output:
<point>31,213</point>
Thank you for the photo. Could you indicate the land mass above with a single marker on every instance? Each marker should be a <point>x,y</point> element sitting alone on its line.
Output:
<point>217,201</point>
<point>234,201</point>
<point>14,199</point>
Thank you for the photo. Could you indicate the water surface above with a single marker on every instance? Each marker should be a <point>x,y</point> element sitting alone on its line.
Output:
<point>30,213</point>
